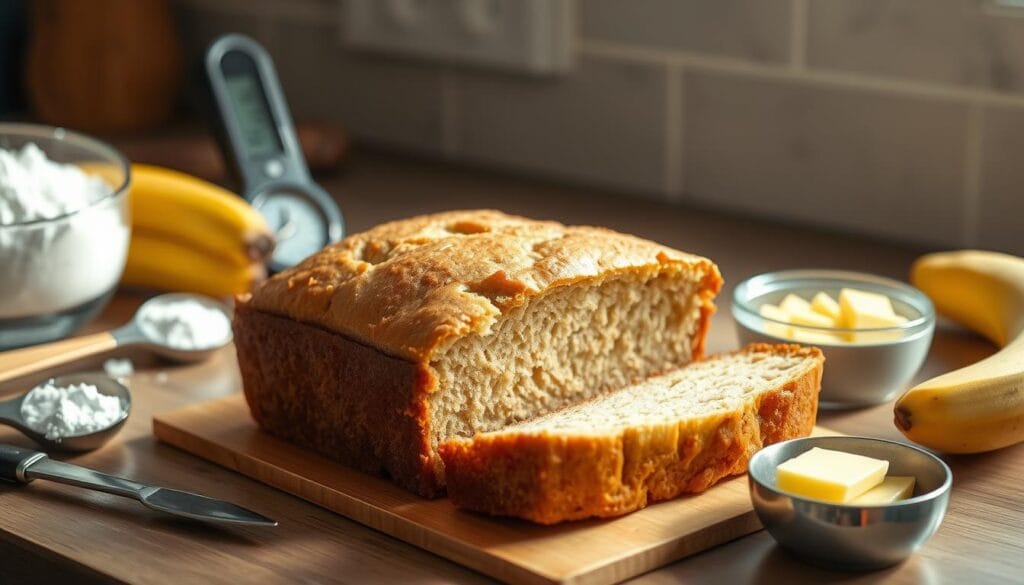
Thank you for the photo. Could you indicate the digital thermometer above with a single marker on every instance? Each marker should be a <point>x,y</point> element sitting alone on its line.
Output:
<point>259,142</point>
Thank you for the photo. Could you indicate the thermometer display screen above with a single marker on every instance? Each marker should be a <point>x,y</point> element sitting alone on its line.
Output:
<point>251,108</point>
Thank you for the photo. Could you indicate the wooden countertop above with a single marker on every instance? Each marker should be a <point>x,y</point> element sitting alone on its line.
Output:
<point>47,530</point>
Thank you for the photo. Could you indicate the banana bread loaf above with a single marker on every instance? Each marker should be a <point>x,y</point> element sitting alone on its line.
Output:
<point>378,348</point>
<point>675,433</point>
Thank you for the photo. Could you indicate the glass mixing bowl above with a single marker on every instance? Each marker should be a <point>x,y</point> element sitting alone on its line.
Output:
<point>58,273</point>
<point>856,374</point>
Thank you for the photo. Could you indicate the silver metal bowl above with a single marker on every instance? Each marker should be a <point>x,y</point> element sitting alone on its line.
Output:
<point>856,374</point>
<point>849,537</point>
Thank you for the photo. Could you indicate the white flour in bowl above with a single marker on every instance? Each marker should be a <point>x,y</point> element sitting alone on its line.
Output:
<point>34,187</point>
<point>68,411</point>
<point>54,265</point>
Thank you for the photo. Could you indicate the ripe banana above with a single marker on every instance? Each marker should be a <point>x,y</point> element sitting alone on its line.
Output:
<point>192,236</point>
<point>169,204</point>
<point>168,265</point>
<point>979,407</point>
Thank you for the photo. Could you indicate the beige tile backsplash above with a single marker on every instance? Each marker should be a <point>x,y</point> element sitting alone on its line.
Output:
<point>856,160</point>
<point>952,42</point>
<point>605,123</point>
<point>758,30</point>
<point>1001,189</point>
<point>395,102</point>
<point>900,119</point>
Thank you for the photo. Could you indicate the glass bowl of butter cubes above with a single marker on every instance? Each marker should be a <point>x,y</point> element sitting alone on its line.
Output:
<point>875,332</point>
<point>849,503</point>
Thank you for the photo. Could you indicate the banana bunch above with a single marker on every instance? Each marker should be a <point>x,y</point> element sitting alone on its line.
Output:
<point>192,236</point>
<point>979,407</point>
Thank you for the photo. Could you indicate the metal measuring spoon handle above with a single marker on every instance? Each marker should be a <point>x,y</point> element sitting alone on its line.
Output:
<point>23,465</point>
<point>10,415</point>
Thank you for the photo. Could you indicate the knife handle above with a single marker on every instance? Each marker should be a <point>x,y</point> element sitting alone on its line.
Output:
<point>84,477</point>
<point>15,460</point>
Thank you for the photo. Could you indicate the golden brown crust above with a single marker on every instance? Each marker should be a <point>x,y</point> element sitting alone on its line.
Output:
<point>336,396</point>
<point>550,478</point>
<point>409,287</point>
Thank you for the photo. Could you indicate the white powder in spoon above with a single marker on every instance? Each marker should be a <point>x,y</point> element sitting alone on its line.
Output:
<point>185,324</point>
<point>68,411</point>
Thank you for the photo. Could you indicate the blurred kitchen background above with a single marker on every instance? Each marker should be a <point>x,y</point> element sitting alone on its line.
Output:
<point>896,119</point>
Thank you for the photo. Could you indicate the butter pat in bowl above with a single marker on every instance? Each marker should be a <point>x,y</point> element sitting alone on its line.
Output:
<point>874,527</point>
<point>875,332</point>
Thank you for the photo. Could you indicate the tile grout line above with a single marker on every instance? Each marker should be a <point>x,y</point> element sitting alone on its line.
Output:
<point>450,142</point>
<point>798,34</point>
<point>674,128</point>
<point>821,77</point>
<point>973,153</point>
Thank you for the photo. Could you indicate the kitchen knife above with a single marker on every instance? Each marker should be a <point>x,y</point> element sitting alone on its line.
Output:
<point>23,465</point>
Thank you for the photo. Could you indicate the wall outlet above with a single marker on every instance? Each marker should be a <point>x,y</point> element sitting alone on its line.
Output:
<point>531,36</point>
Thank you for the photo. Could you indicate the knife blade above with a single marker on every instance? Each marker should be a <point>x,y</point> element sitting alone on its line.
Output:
<point>24,465</point>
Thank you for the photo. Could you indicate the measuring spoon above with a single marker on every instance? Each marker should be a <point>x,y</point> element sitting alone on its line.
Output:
<point>21,362</point>
<point>10,415</point>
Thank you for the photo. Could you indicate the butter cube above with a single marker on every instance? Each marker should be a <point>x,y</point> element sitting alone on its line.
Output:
<point>832,476</point>
<point>892,489</point>
<point>875,321</point>
<point>879,336</point>
<point>866,310</point>
<point>799,312</point>
<point>794,304</point>
<point>776,329</point>
<point>826,305</point>
<point>809,317</point>
<point>816,337</point>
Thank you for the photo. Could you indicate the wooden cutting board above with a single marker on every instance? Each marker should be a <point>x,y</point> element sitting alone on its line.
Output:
<point>593,551</point>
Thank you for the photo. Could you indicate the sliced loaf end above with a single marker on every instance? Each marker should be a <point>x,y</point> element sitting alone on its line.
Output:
<point>680,432</point>
<point>568,345</point>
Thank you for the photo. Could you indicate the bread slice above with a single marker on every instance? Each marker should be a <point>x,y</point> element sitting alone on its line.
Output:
<point>675,433</point>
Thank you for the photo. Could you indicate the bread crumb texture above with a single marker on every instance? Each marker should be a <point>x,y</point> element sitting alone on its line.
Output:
<point>412,286</point>
<point>680,432</point>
